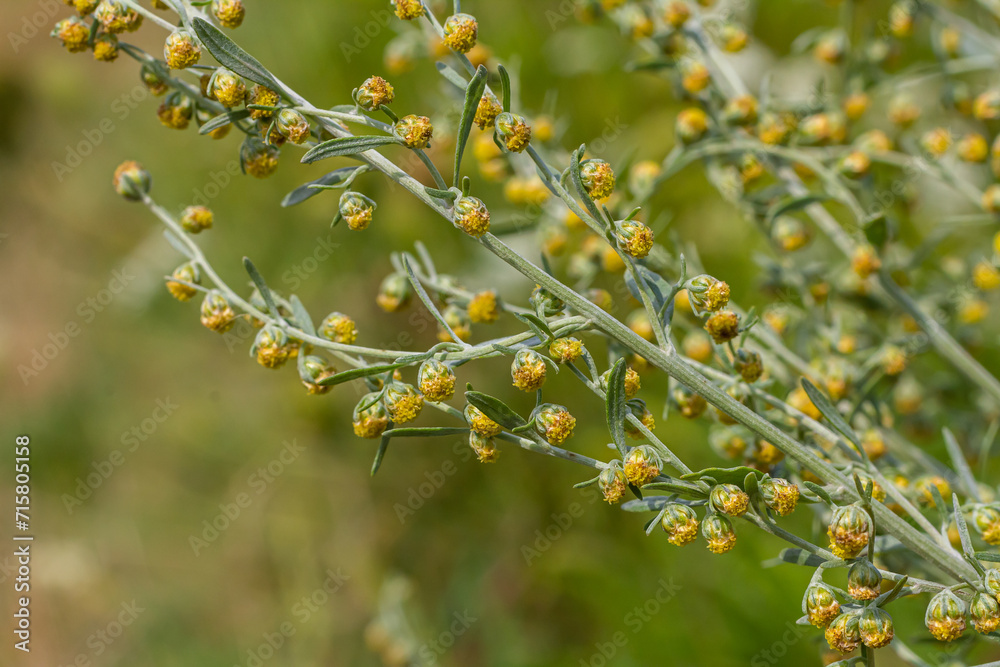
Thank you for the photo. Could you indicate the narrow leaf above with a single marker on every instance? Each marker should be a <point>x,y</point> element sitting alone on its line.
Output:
<point>176,243</point>
<point>495,409</point>
<point>262,287</point>
<point>426,299</point>
<point>505,87</point>
<point>800,557</point>
<point>380,454</point>
<point>792,204</point>
<point>651,504</point>
<point>473,94</point>
<point>961,466</point>
<point>574,172</point>
<point>819,491</point>
<point>302,317</point>
<point>227,52</point>
<point>425,432</point>
<point>830,411</point>
<point>988,556</point>
<point>441,194</point>
<point>358,373</point>
<point>737,476</point>
<point>306,191</point>
<point>343,146</point>
<point>222,120</point>
<point>537,325</point>
<point>963,528</point>
<point>615,406</point>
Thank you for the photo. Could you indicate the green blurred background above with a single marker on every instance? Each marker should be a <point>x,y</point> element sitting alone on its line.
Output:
<point>401,585</point>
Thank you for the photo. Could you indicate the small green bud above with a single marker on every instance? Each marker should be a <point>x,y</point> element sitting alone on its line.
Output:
<point>472,216</point>
<point>131,181</point>
<point>528,370</point>
<point>189,273</point>
<point>514,131</point>
<point>403,402</point>
<point>553,422</point>
<point>480,423</point>
<point>545,301</point>
<point>780,495</point>
<point>634,238</point>
<point>945,616</point>
<point>271,347</point>
<point>729,499</point>
<point>598,179</point>
<point>293,126</point>
<point>820,605</point>
<point>718,532</point>
<point>485,447</point>
<point>196,219</point>
<point>394,293</point>
<point>642,465</point>
<point>875,627</point>
<point>181,50</point>
<point>370,417</point>
<point>338,328</point>
<point>414,131</point>
<point>460,32</point>
<point>436,380</point>
<point>230,13</point>
<point>357,210</point>
<point>257,158</point>
<point>216,313</point>
<point>612,483</point>
<point>844,633</point>
<point>849,531</point>
<point>312,371</point>
<point>985,613</point>
<point>680,523</point>
<point>375,93</point>
<point>863,581</point>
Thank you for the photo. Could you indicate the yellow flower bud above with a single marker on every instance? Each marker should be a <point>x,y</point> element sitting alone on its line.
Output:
<point>189,273</point>
<point>370,417</point>
<point>181,50</point>
<point>230,13</point>
<point>460,32</point>
<point>680,523</point>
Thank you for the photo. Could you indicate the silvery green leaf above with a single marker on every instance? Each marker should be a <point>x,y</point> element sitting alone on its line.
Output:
<point>473,93</point>
<point>495,409</point>
<point>222,120</point>
<point>306,191</point>
<point>615,405</point>
<point>229,54</point>
<point>344,146</point>
<point>262,287</point>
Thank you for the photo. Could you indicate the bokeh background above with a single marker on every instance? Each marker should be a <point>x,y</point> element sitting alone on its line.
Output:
<point>321,560</point>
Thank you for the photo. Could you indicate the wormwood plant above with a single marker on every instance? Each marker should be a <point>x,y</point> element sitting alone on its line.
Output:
<point>816,398</point>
